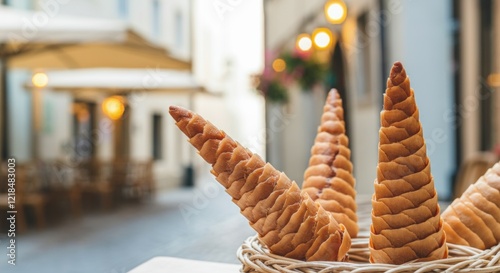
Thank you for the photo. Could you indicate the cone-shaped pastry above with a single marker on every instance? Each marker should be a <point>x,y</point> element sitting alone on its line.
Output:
<point>474,218</point>
<point>286,219</point>
<point>328,179</point>
<point>406,223</point>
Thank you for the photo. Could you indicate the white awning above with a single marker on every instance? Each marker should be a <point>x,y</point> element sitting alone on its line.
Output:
<point>121,80</point>
<point>37,40</point>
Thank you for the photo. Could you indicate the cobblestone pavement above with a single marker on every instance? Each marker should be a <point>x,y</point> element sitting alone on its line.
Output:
<point>199,223</point>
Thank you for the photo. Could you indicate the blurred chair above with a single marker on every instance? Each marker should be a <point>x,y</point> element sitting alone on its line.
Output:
<point>95,178</point>
<point>139,180</point>
<point>113,182</point>
<point>4,197</point>
<point>61,183</point>
<point>149,185</point>
<point>471,169</point>
<point>34,191</point>
<point>29,194</point>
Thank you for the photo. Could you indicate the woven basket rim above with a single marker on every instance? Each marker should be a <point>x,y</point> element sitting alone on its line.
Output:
<point>255,257</point>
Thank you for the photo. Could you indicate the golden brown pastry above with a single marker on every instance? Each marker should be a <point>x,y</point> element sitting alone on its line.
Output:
<point>406,223</point>
<point>474,218</point>
<point>287,220</point>
<point>328,179</point>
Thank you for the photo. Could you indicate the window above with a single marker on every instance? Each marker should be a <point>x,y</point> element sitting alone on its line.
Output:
<point>178,29</point>
<point>123,9</point>
<point>156,18</point>
<point>19,4</point>
<point>157,146</point>
<point>84,123</point>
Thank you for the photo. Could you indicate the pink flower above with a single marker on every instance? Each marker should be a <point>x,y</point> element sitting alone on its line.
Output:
<point>304,55</point>
<point>268,72</point>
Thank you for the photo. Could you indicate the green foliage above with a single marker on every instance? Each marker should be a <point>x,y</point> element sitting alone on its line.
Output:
<point>306,70</point>
<point>277,92</point>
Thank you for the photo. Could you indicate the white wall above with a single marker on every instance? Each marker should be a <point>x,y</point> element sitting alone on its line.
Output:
<point>55,131</point>
<point>20,4</point>
<point>209,56</point>
<point>168,170</point>
<point>20,116</point>
<point>141,19</point>
<point>83,8</point>
<point>228,49</point>
<point>301,118</point>
<point>178,46</point>
<point>420,37</point>
<point>104,146</point>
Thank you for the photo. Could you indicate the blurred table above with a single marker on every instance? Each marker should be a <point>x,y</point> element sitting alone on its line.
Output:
<point>169,264</point>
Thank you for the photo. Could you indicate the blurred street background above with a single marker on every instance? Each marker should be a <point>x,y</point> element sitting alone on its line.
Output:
<point>106,181</point>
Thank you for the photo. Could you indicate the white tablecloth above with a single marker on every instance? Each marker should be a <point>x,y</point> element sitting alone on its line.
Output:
<point>168,265</point>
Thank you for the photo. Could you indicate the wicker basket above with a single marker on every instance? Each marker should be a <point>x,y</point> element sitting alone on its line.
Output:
<point>256,258</point>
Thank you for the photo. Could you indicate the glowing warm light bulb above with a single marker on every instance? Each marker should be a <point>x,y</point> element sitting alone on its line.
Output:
<point>322,38</point>
<point>494,80</point>
<point>279,65</point>
<point>335,11</point>
<point>40,80</point>
<point>113,107</point>
<point>304,42</point>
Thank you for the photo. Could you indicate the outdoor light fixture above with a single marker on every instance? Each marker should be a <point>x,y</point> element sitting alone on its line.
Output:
<point>40,80</point>
<point>304,42</point>
<point>494,80</point>
<point>113,107</point>
<point>335,11</point>
<point>322,38</point>
<point>279,65</point>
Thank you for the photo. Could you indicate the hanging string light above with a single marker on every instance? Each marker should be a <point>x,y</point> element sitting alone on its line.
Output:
<point>304,42</point>
<point>322,38</point>
<point>335,11</point>
<point>279,65</point>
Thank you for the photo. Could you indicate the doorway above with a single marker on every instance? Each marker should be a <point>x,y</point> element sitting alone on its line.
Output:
<point>84,126</point>
<point>336,78</point>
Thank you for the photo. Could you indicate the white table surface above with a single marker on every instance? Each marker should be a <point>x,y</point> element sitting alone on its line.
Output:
<point>169,264</point>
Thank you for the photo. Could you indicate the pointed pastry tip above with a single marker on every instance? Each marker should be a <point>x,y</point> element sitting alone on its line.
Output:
<point>178,112</point>
<point>398,73</point>
<point>397,67</point>
<point>333,94</point>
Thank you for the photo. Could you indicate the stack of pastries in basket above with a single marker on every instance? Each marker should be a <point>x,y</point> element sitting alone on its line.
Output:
<point>317,222</point>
